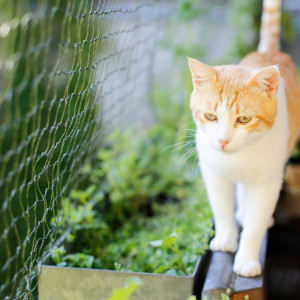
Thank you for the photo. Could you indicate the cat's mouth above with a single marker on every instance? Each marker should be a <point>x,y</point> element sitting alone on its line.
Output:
<point>227,150</point>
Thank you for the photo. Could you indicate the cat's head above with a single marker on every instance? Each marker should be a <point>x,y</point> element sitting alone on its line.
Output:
<point>233,105</point>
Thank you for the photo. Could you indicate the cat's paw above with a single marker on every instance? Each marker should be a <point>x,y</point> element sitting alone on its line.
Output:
<point>247,268</point>
<point>224,244</point>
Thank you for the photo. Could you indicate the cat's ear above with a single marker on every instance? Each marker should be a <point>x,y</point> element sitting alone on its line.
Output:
<point>266,79</point>
<point>201,73</point>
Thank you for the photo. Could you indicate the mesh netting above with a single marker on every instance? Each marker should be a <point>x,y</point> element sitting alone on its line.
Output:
<point>70,71</point>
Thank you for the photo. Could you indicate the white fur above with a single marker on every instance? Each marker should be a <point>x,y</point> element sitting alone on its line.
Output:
<point>272,3</point>
<point>254,163</point>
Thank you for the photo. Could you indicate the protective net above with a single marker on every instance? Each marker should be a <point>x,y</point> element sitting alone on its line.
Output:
<point>70,70</point>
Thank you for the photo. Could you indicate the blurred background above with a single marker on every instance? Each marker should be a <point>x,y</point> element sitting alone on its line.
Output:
<point>95,128</point>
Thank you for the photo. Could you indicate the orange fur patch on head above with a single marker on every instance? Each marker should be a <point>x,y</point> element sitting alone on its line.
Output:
<point>289,73</point>
<point>258,101</point>
<point>266,80</point>
<point>259,123</point>
<point>216,106</point>
<point>244,91</point>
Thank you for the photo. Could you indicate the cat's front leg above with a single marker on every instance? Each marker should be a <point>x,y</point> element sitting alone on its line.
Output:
<point>260,202</point>
<point>221,197</point>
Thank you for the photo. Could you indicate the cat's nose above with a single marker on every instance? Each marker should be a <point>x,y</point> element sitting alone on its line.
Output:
<point>223,143</point>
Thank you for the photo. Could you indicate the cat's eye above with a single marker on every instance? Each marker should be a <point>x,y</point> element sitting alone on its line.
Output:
<point>244,119</point>
<point>210,117</point>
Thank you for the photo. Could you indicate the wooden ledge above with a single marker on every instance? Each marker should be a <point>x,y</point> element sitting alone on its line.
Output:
<point>220,277</point>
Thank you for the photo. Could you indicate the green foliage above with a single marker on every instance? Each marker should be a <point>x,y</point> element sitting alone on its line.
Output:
<point>226,296</point>
<point>289,31</point>
<point>113,226</point>
<point>245,21</point>
<point>170,242</point>
<point>57,255</point>
<point>296,151</point>
<point>135,172</point>
<point>223,296</point>
<point>128,289</point>
<point>140,190</point>
<point>125,292</point>
<point>188,9</point>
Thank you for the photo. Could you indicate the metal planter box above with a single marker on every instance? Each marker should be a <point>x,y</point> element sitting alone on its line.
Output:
<point>60,283</point>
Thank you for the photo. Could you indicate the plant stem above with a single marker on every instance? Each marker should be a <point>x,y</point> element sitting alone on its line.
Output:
<point>176,250</point>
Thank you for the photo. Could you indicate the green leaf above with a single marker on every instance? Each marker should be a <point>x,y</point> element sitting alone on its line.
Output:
<point>82,196</point>
<point>170,240</point>
<point>225,297</point>
<point>161,269</point>
<point>192,298</point>
<point>166,242</point>
<point>62,264</point>
<point>118,266</point>
<point>125,292</point>
<point>57,254</point>
<point>70,237</point>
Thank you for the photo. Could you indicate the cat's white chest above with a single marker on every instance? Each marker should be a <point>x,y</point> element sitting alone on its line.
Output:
<point>247,165</point>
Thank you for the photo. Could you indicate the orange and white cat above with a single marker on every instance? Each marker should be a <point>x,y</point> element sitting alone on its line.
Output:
<point>248,120</point>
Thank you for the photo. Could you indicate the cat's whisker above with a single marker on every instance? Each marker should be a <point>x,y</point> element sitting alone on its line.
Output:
<point>188,124</point>
<point>187,129</point>
<point>180,145</point>
<point>189,154</point>
<point>189,151</point>
<point>196,164</point>
<point>190,136</point>
<point>186,156</point>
